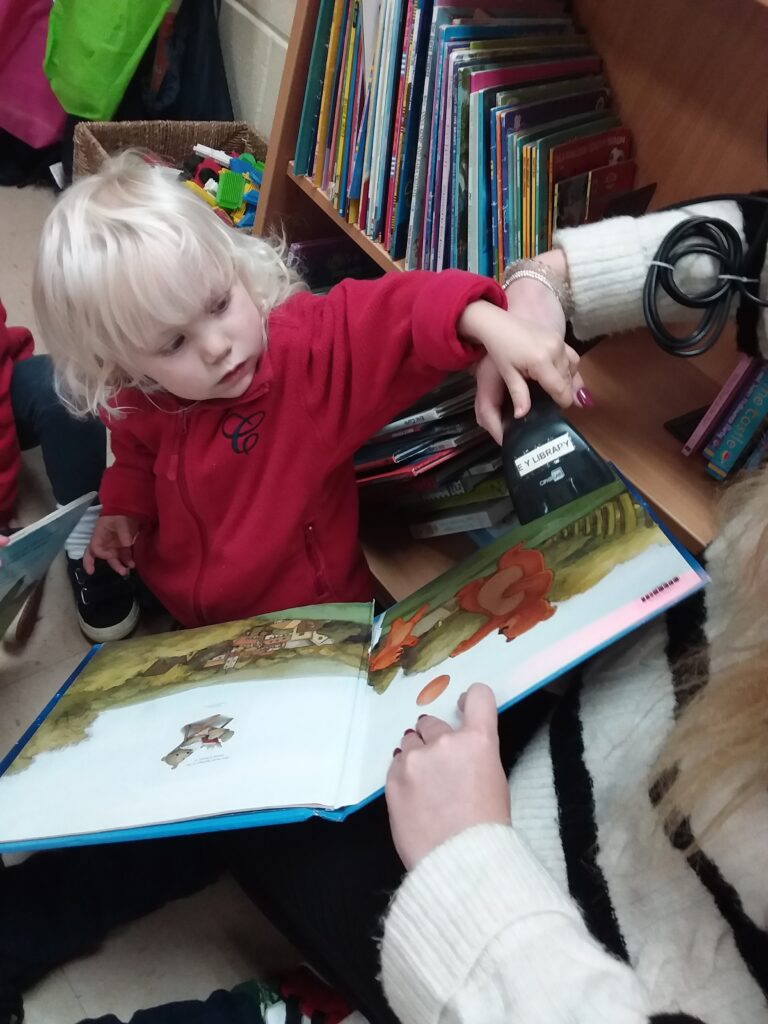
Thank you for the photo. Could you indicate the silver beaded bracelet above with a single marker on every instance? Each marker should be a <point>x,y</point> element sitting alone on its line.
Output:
<point>544,275</point>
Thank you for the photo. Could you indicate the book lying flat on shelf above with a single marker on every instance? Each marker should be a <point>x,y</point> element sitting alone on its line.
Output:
<point>478,516</point>
<point>29,554</point>
<point>294,714</point>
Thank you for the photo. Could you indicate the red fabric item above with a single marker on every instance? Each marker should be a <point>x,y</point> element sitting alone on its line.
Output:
<point>15,343</point>
<point>250,505</point>
<point>314,996</point>
<point>28,108</point>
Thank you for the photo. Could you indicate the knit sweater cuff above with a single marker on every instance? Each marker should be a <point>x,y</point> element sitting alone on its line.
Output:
<point>451,906</point>
<point>608,263</point>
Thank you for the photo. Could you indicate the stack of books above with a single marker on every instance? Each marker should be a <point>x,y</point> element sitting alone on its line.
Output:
<point>460,135</point>
<point>733,433</point>
<point>435,467</point>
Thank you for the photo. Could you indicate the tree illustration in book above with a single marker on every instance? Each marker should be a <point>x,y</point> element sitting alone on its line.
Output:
<point>522,587</point>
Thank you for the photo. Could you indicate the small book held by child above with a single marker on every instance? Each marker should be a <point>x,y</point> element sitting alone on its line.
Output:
<point>29,554</point>
<point>288,715</point>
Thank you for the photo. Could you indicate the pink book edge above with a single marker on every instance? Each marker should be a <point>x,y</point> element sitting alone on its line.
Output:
<point>533,71</point>
<point>740,373</point>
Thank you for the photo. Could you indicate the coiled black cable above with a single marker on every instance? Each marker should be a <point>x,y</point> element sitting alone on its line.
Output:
<point>736,277</point>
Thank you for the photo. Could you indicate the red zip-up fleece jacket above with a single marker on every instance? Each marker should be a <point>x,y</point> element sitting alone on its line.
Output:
<point>15,344</point>
<point>250,505</point>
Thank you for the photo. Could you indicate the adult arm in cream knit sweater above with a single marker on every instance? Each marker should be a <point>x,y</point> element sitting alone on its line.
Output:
<point>576,908</point>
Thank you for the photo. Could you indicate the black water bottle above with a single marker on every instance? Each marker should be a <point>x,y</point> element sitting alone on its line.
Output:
<point>547,463</point>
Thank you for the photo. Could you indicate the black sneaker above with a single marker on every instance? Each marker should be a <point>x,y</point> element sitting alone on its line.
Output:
<point>106,606</point>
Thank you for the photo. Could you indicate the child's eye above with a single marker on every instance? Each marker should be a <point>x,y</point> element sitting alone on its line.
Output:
<point>174,346</point>
<point>222,304</point>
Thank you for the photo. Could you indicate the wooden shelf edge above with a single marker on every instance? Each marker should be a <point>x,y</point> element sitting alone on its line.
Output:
<point>373,249</point>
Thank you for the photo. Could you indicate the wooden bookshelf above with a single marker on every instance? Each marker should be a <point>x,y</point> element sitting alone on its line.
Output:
<point>373,249</point>
<point>688,80</point>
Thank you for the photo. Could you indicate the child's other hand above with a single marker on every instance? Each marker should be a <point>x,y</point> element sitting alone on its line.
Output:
<point>112,540</point>
<point>3,541</point>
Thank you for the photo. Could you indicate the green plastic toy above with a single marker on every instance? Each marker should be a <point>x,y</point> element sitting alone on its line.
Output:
<point>229,195</point>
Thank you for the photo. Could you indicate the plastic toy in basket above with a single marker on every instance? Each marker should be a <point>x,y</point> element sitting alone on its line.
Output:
<point>229,182</point>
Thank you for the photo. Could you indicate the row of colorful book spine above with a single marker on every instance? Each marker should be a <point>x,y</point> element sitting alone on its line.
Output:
<point>460,135</point>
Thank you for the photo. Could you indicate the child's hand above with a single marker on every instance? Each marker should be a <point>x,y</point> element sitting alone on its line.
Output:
<point>112,540</point>
<point>520,350</point>
<point>3,542</point>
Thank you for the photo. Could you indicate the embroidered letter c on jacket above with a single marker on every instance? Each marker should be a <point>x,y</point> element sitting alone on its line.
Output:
<point>241,431</point>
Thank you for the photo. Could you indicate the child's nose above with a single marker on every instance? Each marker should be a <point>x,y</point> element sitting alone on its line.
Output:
<point>216,347</point>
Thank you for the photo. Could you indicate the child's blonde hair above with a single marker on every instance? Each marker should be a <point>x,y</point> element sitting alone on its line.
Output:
<point>128,253</point>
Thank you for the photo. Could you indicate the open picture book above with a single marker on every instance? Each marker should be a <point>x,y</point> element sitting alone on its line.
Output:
<point>283,716</point>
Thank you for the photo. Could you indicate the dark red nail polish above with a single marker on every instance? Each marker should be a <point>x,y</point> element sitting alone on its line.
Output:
<point>409,730</point>
<point>396,751</point>
<point>585,398</point>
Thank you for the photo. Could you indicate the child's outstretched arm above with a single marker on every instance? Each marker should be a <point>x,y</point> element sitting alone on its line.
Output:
<point>539,333</point>
<point>378,346</point>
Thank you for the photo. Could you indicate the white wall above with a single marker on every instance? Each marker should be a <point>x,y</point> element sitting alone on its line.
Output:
<point>254,38</point>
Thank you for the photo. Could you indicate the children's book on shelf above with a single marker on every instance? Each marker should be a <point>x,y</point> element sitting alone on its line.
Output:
<point>408,115</point>
<point>455,395</point>
<point>476,516</point>
<point>310,110</point>
<point>568,101</point>
<point>461,49</point>
<point>606,185</point>
<point>738,381</point>
<point>28,556</point>
<point>734,441</point>
<point>544,161</point>
<point>483,92</point>
<point>393,452</point>
<point>293,714</point>
<point>588,197</point>
<point>481,55</point>
<point>446,12</point>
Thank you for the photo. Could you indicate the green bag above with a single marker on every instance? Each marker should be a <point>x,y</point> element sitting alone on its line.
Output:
<point>93,49</point>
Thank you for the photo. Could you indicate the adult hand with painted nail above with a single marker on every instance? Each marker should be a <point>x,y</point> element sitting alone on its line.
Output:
<point>444,780</point>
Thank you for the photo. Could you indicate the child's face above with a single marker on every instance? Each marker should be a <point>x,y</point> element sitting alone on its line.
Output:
<point>214,356</point>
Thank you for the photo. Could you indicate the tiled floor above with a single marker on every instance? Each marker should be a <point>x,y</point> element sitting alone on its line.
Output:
<point>211,940</point>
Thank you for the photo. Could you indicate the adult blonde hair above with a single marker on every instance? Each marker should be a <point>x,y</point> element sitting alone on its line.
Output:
<point>129,253</point>
<point>716,757</point>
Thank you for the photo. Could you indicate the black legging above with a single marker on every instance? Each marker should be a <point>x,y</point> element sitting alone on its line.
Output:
<point>325,885</point>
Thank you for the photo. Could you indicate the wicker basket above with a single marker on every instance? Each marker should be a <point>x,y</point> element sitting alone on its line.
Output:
<point>94,141</point>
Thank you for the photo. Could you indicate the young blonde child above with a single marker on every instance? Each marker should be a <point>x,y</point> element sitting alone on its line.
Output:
<point>236,399</point>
